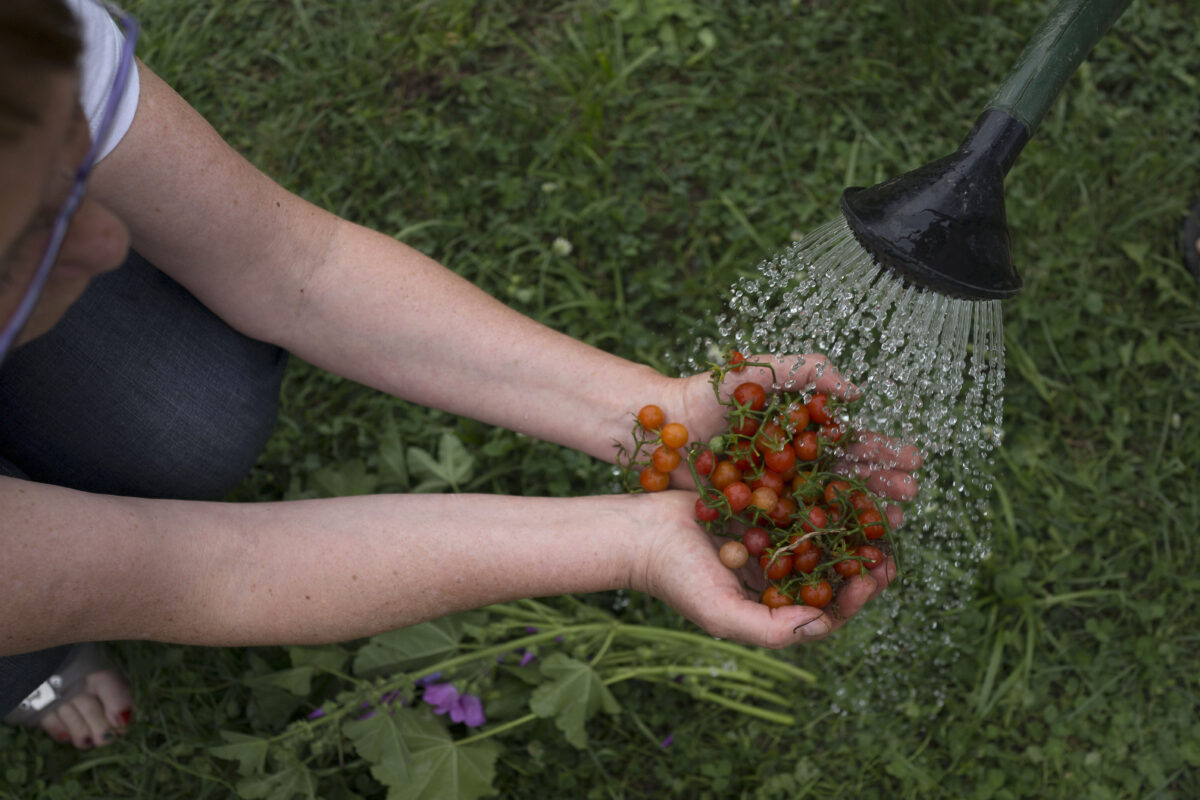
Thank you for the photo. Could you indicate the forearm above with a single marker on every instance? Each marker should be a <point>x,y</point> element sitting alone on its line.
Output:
<point>383,314</point>
<point>296,572</point>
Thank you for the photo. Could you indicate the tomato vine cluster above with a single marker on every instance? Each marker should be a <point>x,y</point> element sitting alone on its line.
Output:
<point>768,485</point>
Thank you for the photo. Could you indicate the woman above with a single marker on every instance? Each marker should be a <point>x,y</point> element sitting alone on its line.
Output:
<point>145,381</point>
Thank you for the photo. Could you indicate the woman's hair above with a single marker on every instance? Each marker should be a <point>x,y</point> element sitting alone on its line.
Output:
<point>34,35</point>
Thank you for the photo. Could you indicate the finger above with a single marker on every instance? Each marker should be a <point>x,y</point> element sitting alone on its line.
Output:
<point>895,516</point>
<point>884,451</point>
<point>54,726</point>
<point>895,484</point>
<point>750,622</point>
<point>855,594</point>
<point>796,374</point>
<point>883,575</point>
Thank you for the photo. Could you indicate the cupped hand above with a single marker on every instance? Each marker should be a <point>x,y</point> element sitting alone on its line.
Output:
<point>678,564</point>
<point>884,463</point>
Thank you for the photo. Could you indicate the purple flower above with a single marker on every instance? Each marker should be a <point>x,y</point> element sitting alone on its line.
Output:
<point>462,708</point>
<point>367,715</point>
<point>468,709</point>
<point>317,714</point>
<point>428,679</point>
<point>442,696</point>
<point>667,742</point>
<point>560,638</point>
<point>390,697</point>
<point>529,656</point>
<point>530,629</point>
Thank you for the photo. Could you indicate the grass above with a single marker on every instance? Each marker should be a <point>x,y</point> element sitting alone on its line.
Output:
<point>675,145</point>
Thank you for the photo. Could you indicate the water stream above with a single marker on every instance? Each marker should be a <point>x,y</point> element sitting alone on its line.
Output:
<point>931,368</point>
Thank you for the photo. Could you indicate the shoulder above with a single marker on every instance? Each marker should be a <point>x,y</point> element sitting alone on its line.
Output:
<point>102,42</point>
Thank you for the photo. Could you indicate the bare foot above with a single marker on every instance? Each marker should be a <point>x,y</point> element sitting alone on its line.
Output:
<point>86,701</point>
<point>95,716</point>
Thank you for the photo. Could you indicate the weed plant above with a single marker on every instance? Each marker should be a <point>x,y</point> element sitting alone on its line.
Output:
<point>610,169</point>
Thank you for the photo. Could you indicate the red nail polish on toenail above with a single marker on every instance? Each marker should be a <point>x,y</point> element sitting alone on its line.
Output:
<point>86,743</point>
<point>126,716</point>
<point>62,737</point>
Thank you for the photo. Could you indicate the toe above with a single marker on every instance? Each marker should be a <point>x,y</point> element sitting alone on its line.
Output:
<point>76,726</point>
<point>112,690</point>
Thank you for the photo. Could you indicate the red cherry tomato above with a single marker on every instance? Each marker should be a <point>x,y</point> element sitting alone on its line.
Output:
<point>736,361</point>
<point>750,395</point>
<point>756,540</point>
<point>746,427</point>
<point>797,415</point>
<point>807,446</point>
<point>872,554</point>
<point>872,524</point>
<point>816,409</point>
<point>785,511</point>
<point>705,463</point>
<point>848,567</point>
<point>769,479</point>
<point>833,432</point>
<point>835,489</point>
<point>817,594</point>
<point>704,513</point>
<point>817,519</point>
<point>773,598</point>
<point>764,499</point>
<point>780,460</point>
<point>804,563</point>
<point>770,437</point>
<point>738,494</point>
<point>778,569</point>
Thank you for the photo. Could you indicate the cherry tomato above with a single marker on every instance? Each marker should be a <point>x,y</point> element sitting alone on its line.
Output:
<point>861,501</point>
<point>744,456</point>
<point>724,474</point>
<point>816,409</point>
<point>833,432</point>
<point>747,427</point>
<point>738,494</point>
<point>797,415</point>
<point>872,524</point>
<point>817,594</point>
<point>784,511</point>
<point>770,479</point>
<point>736,361</point>
<point>666,459</point>
<point>872,554</point>
<point>848,567</point>
<point>817,519</point>
<point>807,445</point>
<point>770,437</point>
<point>800,544</point>
<point>764,499</point>
<point>704,463</point>
<point>651,417</point>
<point>773,598</point>
<point>704,513</point>
<point>778,569</point>
<point>780,460</point>
<point>654,481</point>
<point>733,554</point>
<point>835,489</point>
<point>804,563</point>
<point>674,435</point>
<point>756,540</point>
<point>750,395</point>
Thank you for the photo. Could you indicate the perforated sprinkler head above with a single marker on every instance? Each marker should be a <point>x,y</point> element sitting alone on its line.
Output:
<point>942,226</point>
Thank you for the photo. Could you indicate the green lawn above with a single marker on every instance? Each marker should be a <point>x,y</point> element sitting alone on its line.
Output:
<point>675,145</point>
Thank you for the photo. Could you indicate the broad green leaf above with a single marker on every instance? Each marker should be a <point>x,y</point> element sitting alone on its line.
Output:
<point>343,480</point>
<point>297,681</point>
<point>379,740</point>
<point>249,751</point>
<point>573,695</point>
<point>442,768</point>
<point>409,646</point>
<point>326,657</point>
<point>291,781</point>
<point>452,468</point>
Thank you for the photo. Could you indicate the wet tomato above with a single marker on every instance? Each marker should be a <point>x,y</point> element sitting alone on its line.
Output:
<point>746,427</point>
<point>872,524</point>
<point>750,395</point>
<point>835,489</point>
<point>807,445</point>
<point>816,409</point>
<point>872,554</point>
<point>797,415</point>
<point>780,460</point>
